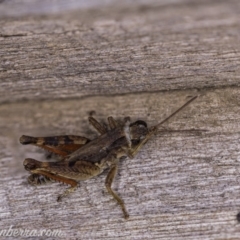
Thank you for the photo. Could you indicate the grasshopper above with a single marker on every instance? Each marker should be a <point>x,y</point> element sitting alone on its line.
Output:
<point>82,158</point>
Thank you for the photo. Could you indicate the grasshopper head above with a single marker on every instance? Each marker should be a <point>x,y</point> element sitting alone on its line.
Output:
<point>138,131</point>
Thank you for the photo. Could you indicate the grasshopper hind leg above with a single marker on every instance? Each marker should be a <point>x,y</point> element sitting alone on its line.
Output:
<point>36,179</point>
<point>66,192</point>
<point>60,145</point>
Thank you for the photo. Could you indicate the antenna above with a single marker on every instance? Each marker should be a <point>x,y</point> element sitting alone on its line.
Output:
<point>154,128</point>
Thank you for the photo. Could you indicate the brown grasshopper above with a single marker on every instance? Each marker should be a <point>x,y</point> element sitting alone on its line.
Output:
<point>82,158</point>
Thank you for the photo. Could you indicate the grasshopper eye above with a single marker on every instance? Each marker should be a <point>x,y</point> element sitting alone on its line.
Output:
<point>135,141</point>
<point>139,123</point>
<point>138,131</point>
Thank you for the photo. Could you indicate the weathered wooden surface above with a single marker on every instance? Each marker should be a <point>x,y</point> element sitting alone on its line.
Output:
<point>181,185</point>
<point>120,50</point>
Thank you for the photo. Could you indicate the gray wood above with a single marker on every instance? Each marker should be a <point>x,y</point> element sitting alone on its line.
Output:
<point>120,50</point>
<point>120,61</point>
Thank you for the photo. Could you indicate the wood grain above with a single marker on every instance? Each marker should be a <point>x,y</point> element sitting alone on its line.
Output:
<point>142,61</point>
<point>120,50</point>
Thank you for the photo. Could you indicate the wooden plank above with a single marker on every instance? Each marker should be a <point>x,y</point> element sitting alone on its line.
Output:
<point>141,61</point>
<point>120,50</point>
<point>181,184</point>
